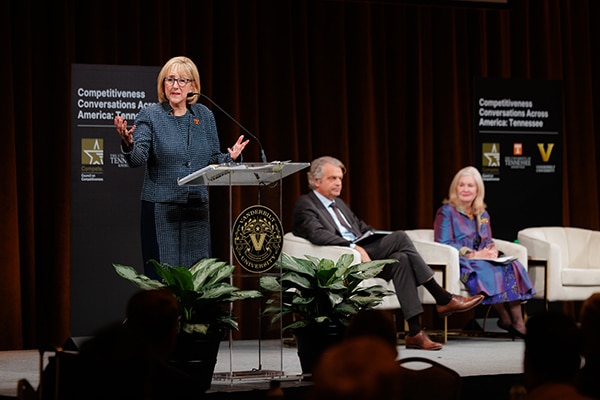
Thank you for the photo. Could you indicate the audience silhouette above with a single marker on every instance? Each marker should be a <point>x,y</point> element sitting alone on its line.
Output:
<point>552,357</point>
<point>589,380</point>
<point>358,368</point>
<point>373,323</point>
<point>364,365</point>
<point>129,360</point>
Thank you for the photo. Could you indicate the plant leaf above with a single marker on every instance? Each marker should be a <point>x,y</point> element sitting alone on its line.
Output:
<point>201,291</point>
<point>140,280</point>
<point>305,267</point>
<point>181,278</point>
<point>270,283</point>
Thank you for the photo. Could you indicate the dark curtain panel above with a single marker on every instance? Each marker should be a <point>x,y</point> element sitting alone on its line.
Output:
<point>385,86</point>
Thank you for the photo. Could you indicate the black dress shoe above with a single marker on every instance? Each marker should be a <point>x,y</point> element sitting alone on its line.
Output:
<point>459,304</point>
<point>512,331</point>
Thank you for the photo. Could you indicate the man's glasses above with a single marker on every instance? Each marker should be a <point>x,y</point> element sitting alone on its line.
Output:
<point>180,81</point>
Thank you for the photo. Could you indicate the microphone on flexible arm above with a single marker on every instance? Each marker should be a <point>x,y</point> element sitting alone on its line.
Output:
<point>263,157</point>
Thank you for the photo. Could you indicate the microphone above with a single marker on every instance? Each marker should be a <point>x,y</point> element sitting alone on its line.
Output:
<point>263,157</point>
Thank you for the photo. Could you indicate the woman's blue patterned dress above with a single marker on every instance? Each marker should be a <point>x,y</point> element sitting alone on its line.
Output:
<point>500,283</point>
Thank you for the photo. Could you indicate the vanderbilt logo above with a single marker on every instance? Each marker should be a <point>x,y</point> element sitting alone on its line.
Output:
<point>545,153</point>
<point>257,238</point>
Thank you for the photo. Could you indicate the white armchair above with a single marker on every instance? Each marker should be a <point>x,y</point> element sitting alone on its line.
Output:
<point>446,257</point>
<point>299,247</point>
<point>565,261</point>
<point>442,258</point>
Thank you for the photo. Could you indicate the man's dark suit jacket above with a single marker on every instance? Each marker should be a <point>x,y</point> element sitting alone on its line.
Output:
<point>312,221</point>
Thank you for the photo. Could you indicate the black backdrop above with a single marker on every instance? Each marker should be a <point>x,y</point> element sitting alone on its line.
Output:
<point>523,182</point>
<point>105,192</point>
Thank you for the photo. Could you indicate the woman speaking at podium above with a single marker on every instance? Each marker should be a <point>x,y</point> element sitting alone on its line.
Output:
<point>172,139</point>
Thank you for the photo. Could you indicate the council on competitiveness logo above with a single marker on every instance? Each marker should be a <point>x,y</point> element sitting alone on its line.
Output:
<point>92,159</point>
<point>490,154</point>
<point>257,238</point>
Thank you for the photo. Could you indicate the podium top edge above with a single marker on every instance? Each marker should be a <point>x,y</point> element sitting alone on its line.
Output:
<point>258,173</point>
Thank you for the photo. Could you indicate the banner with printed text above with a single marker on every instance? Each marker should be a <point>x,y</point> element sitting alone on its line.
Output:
<point>105,192</point>
<point>517,136</point>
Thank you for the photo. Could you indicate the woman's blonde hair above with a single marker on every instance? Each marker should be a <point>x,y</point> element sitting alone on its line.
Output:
<point>478,204</point>
<point>184,66</point>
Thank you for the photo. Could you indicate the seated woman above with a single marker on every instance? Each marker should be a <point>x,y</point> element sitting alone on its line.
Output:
<point>464,223</point>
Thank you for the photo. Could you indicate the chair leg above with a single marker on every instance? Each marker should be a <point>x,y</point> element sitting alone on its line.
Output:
<point>487,314</point>
<point>569,309</point>
<point>445,329</point>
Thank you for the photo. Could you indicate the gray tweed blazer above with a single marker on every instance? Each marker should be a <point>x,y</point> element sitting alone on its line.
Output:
<point>167,155</point>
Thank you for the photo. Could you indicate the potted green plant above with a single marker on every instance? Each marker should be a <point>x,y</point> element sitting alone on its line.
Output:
<point>322,296</point>
<point>204,294</point>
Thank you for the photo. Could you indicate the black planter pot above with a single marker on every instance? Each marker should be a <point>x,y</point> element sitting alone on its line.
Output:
<point>313,340</point>
<point>197,356</point>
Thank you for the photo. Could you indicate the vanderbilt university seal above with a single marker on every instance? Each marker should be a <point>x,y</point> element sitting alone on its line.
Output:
<point>257,238</point>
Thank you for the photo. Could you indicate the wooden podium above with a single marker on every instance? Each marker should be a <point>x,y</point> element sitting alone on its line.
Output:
<point>266,175</point>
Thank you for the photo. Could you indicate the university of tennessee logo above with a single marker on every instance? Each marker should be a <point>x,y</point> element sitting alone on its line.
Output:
<point>257,238</point>
<point>545,152</point>
<point>517,149</point>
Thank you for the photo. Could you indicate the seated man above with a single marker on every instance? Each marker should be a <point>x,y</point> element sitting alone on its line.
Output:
<point>324,219</point>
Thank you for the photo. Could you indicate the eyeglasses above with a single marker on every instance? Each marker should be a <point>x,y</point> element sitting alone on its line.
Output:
<point>181,81</point>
